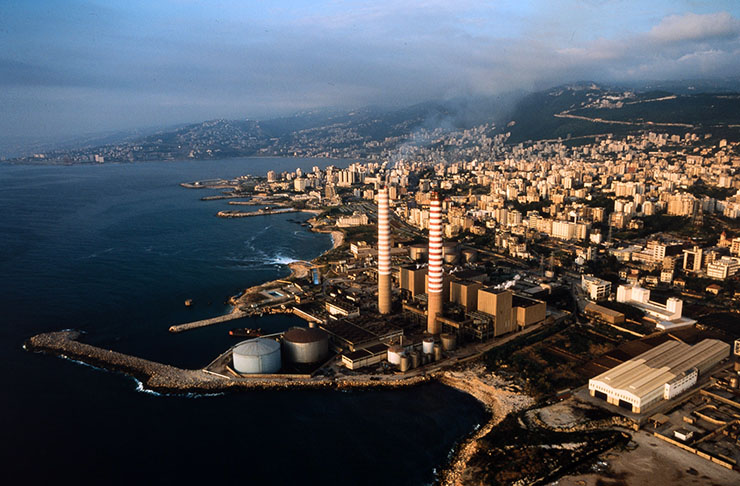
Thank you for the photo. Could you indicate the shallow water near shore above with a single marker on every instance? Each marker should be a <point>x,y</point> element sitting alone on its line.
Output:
<point>114,250</point>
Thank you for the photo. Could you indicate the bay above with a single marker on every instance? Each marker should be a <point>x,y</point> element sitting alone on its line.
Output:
<point>114,250</point>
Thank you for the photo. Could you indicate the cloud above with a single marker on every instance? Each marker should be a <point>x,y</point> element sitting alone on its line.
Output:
<point>694,27</point>
<point>153,64</point>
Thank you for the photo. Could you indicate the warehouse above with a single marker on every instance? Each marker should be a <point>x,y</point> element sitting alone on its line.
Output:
<point>640,383</point>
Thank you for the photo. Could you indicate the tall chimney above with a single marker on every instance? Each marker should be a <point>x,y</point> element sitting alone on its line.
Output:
<point>384,253</point>
<point>434,279</point>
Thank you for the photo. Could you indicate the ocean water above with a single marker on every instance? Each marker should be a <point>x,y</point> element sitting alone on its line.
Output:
<point>114,250</point>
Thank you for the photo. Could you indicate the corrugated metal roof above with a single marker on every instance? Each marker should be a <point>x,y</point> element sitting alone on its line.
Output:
<point>652,369</point>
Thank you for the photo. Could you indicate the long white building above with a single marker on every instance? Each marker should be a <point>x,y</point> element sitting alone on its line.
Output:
<point>661,373</point>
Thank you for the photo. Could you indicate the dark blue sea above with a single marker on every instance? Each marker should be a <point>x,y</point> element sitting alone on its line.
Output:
<point>114,250</point>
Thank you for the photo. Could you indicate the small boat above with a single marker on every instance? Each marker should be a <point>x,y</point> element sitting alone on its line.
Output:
<point>188,302</point>
<point>245,332</point>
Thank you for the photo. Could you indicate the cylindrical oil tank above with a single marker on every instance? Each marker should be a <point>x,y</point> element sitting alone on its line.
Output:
<point>449,248</point>
<point>437,352</point>
<point>451,258</point>
<point>415,359</point>
<point>259,355</point>
<point>405,363</point>
<point>305,345</point>
<point>394,355</point>
<point>470,255</point>
<point>449,341</point>
<point>418,252</point>
<point>427,345</point>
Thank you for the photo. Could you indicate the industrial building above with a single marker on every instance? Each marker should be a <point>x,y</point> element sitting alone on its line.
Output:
<point>658,374</point>
<point>465,293</point>
<point>603,313</point>
<point>365,357</point>
<point>498,304</point>
<point>666,316</point>
<point>412,280</point>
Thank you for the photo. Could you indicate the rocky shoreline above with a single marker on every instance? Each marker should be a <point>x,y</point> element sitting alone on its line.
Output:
<point>492,392</point>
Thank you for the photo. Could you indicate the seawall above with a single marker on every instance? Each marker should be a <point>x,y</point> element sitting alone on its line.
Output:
<point>164,378</point>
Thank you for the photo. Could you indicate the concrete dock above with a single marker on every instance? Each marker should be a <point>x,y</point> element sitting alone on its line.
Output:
<point>236,314</point>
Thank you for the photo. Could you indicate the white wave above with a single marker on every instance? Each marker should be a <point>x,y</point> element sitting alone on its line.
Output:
<point>97,254</point>
<point>77,361</point>
<point>142,389</point>
<point>281,260</point>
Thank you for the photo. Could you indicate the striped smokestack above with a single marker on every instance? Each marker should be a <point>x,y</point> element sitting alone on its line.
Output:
<point>434,279</point>
<point>384,253</point>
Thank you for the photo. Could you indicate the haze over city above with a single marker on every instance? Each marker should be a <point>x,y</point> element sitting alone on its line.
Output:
<point>71,68</point>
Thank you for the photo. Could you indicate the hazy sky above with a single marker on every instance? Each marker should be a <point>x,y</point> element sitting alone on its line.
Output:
<point>69,67</point>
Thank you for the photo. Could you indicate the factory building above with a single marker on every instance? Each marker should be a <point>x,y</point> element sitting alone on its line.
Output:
<point>384,253</point>
<point>365,357</point>
<point>465,293</point>
<point>666,316</point>
<point>526,311</point>
<point>661,373</point>
<point>257,356</point>
<point>413,280</point>
<point>434,270</point>
<point>305,345</point>
<point>498,304</point>
<point>604,314</point>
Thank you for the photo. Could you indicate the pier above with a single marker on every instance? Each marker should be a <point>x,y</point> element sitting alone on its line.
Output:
<point>236,314</point>
<point>261,212</point>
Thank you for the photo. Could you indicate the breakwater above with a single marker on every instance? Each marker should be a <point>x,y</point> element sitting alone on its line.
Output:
<point>165,378</point>
<point>261,212</point>
<point>236,314</point>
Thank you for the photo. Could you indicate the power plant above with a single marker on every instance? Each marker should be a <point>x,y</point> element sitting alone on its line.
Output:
<point>384,253</point>
<point>434,284</point>
<point>438,312</point>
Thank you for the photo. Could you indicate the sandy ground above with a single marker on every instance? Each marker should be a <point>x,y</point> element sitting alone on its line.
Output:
<point>337,237</point>
<point>653,462</point>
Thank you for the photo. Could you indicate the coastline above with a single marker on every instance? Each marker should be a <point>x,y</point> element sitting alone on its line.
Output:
<point>166,379</point>
<point>491,392</point>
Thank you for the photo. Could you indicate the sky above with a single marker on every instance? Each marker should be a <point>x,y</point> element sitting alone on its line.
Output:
<point>79,66</point>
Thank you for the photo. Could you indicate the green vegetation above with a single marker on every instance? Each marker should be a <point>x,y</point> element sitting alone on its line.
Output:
<point>658,223</point>
<point>700,189</point>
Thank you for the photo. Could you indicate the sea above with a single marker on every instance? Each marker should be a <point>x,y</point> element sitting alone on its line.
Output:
<point>114,250</point>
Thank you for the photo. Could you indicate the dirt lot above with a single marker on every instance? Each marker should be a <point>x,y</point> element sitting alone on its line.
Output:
<point>652,462</point>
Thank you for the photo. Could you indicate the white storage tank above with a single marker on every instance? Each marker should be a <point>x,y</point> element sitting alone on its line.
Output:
<point>427,345</point>
<point>257,356</point>
<point>305,345</point>
<point>394,355</point>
